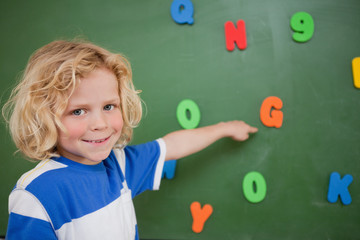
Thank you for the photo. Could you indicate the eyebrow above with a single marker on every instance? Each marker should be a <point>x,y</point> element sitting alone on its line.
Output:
<point>85,105</point>
<point>117,99</point>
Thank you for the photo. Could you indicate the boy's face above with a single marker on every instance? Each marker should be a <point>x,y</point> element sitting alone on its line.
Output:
<point>92,118</point>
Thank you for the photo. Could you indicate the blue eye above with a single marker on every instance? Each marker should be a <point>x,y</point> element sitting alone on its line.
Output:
<point>78,112</point>
<point>109,107</point>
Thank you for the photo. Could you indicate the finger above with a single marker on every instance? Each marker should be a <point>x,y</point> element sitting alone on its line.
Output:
<point>246,137</point>
<point>252,129</point>
<point>241,138</point>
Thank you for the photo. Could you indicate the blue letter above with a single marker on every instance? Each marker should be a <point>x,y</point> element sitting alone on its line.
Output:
<point>182,11</point>
<point>338,187</point>
<point>169,169</point>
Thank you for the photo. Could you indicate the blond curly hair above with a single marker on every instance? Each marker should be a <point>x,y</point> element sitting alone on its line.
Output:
<point>37,103</point>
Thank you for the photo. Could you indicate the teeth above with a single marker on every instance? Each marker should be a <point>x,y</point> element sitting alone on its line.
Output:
<point>96,141</point>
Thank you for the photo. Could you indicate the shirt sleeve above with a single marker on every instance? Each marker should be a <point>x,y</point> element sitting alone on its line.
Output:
<point>144,165</point>
<point>27,218</point>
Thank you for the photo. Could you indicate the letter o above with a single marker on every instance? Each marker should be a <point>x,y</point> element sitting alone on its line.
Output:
<point>251,195</point>
<point>184,106</point>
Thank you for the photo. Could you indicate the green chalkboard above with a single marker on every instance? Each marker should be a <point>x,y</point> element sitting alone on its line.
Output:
<point>321,127</point>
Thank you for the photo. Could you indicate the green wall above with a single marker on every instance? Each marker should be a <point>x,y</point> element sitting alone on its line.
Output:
<point>320,133</point>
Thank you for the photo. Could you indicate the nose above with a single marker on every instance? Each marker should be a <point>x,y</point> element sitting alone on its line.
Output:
<point>98,121</point>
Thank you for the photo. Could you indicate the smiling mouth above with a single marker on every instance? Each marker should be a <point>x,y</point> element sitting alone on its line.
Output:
<point>97,141</point>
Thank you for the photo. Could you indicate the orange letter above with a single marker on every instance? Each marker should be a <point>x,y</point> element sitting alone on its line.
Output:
<point>235,35</point>
<point>200,215</point>
<point>271,118</point>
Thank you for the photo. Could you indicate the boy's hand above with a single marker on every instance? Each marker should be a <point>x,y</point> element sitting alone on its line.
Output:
<point>185,142</point>
<point>237,130</point>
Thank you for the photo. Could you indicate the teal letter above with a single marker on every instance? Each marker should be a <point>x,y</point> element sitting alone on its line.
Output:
<point>182,11</point>
<point>339,187</point>
<point>169,169</point>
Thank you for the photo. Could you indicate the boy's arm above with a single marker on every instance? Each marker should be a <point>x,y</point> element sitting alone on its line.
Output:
<point>182,143</point>
<point>28,218</point>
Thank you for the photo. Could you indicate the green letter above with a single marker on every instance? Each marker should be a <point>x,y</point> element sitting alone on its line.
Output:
<point>181,113</point>
<point>251,180</point>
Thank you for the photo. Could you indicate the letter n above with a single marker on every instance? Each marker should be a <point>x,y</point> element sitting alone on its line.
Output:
<point>339,187</point>
<point>233,34</point>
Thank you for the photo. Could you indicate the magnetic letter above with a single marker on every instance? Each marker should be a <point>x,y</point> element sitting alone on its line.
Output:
<point>182,11</point>
<point>190,106</point>
<point>252,195</point>
<point>339,187</point>
<point>200,215</point>
<point>356,71</point>
<point>233,34</point>
<point>302,24</point>
<point>169,169</point>
<point>272,118</point>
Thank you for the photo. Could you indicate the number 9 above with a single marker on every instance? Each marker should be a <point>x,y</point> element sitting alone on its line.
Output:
<point>303,25</point>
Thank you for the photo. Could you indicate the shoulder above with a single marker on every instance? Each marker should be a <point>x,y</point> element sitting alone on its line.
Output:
<point>156,147</point>
<point>41,168</point>
<point>23,200</point>
<point>26,204</point>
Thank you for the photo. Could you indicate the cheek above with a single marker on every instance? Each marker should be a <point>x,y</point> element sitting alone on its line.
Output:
<point>75,129</point>
<point>117,121</point>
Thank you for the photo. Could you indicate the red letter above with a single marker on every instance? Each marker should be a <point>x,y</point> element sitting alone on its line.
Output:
<point>235,35</point>
<point>271,118</point>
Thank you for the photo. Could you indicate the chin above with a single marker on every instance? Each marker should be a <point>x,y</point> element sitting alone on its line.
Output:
<point>99,157</point>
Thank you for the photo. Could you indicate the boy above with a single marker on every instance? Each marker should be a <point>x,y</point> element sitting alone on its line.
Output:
<point>74,111</point>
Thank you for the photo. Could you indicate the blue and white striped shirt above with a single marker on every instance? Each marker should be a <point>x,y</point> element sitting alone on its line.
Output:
<point>63,199</point>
